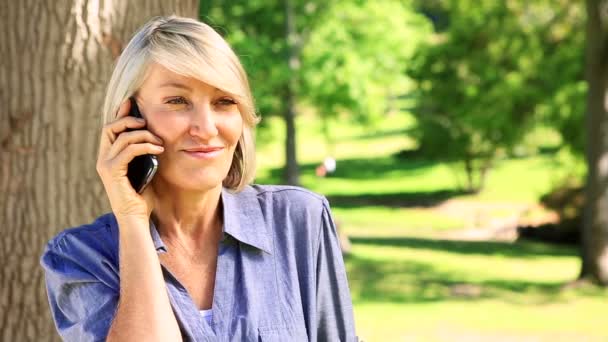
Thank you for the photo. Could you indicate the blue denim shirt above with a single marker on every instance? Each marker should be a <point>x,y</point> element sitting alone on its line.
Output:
<point>280,274</point>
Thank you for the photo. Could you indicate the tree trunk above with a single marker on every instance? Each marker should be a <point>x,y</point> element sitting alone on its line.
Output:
<point>595,227</point>
<point>291,172</point>
<point>470,174</point>
<point>483,174</point>
<point>55,61</point>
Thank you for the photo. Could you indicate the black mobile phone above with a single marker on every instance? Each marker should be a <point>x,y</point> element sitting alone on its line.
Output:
<point>141,168</point>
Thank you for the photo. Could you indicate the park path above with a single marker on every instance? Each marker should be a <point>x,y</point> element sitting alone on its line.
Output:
<point>496,221</point>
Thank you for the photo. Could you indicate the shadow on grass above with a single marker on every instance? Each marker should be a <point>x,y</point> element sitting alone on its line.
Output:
<point>382,279</point>
<point>380,134</point>
<point>413,281</point>
<point>364,168</point>
<point>396,200</point>
<point>375,168</point>
<point>417,282</point>
<point>518,250</point>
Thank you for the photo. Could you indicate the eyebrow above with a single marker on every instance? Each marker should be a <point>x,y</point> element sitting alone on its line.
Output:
<point>173,84</point>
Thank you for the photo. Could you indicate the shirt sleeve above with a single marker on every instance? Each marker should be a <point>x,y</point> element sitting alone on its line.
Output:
<point>335,321</point>
<point>82,305</point>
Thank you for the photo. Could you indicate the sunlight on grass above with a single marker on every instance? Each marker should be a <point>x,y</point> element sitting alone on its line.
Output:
<point>386,221</point>
<point>522,179</point>
<point>483,320</point>
<point>411,292</point>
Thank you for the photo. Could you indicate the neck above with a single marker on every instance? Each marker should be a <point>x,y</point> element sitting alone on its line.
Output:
<point>194,218</point>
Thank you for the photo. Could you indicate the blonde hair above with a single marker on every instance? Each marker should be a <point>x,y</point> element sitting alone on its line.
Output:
<point>192,49</point>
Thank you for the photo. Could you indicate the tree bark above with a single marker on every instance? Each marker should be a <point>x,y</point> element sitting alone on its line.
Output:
<point>55,61</point>
<point>291,172</point>
<point>595,227</point>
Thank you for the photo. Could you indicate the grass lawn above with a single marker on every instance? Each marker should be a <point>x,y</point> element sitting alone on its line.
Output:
<point>410,284</point>
<point>412,289</point>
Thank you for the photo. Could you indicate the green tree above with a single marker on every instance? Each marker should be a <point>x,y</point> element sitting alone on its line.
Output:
<point>334,57</point>
<point>494,71</point>
<point>355,62</point>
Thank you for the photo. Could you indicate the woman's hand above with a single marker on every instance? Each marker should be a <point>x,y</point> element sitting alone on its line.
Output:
<point>116,149</point>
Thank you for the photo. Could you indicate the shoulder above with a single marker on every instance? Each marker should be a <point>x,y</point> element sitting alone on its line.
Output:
<point>94,234</point>
<point>287,195</point>
<point>292,214</point>
<point>92,246</point>
<point>82,279</point>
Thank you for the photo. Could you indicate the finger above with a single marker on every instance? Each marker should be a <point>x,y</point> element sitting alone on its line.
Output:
<point>126,156</point>
<point>120,125</point>
<point>108,136</point>
<point>127,138</point>
<point>113,129</point>
<point>123,112</point>
<point>123,109</point>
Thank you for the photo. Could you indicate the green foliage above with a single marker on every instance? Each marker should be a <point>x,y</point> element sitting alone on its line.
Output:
<point>355,60</point>
<point>255,29</point>
<point>498,69</point>
<point>348,62</point>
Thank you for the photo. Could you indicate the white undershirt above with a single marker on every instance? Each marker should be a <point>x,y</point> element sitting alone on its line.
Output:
<point>207,315</point>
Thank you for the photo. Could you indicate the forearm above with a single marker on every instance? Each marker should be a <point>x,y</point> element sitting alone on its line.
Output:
<point>144,312</point>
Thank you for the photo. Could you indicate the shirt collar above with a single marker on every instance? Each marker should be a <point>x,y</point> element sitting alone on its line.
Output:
<point>158,242</point>
<point>243,220</point>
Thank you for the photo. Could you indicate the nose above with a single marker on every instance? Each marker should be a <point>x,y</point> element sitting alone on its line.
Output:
<point>203,124</point>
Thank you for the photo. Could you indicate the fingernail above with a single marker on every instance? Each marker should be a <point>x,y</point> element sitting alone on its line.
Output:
<point>140,120</point>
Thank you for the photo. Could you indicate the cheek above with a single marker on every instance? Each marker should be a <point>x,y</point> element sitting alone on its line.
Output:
<point>231,128</point>
<point>168,127</point>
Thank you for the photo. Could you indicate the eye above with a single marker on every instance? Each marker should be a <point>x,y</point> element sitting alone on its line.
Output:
<point>177,101</point>
<point>226,101</point>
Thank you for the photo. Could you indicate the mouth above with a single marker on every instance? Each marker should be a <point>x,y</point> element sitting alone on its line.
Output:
<point>204,152</point>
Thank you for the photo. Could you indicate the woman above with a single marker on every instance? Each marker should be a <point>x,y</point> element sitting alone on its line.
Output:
<point>203,255</point>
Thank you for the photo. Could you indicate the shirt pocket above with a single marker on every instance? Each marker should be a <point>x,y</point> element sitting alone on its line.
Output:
<point>281,334</point>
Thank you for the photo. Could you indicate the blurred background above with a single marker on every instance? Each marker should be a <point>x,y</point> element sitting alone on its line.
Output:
<point>460,144</point>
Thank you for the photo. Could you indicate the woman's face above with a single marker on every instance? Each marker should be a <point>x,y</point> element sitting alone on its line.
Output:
<point>200,127</point>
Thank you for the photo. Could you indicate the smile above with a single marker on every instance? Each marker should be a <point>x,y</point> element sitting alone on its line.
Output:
<point>205,152</point>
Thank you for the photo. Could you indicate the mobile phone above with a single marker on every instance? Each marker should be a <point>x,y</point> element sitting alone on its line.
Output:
<point>142,168</point>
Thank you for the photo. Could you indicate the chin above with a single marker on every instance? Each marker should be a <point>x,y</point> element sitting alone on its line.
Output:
<point>199,181</point>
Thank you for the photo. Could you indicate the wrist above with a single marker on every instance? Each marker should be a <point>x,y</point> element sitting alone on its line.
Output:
<point>132,220</point>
